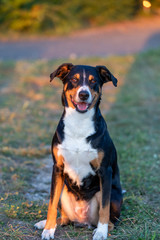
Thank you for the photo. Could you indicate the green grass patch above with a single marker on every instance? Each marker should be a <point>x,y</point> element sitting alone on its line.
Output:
<point>30,108</point>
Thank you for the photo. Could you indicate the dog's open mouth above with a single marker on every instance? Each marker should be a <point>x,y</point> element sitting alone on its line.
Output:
<point>81,106</point>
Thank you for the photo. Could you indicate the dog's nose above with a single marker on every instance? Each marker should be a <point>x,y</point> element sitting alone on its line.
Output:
<point>83,95</point>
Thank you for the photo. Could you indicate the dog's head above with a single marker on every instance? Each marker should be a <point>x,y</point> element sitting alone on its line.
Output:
<point>82,84</point>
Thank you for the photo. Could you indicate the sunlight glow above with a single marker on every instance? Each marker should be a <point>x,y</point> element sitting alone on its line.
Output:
<point>146,4</point>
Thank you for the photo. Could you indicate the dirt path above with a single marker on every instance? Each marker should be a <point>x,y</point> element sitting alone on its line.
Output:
<point>41,183</point>
<point>119,38</point>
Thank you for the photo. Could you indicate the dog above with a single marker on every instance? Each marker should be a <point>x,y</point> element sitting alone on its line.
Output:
<point>85,180</point>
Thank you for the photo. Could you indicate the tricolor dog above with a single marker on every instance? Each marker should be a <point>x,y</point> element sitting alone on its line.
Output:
<point>85,181</point>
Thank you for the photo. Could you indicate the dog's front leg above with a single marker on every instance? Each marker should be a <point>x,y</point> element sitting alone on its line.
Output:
<point>56,189</point>
<point>103,196</point>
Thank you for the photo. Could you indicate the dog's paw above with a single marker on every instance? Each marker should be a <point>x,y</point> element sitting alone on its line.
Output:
<point>40,225</point>
<point>101,232</point>
<point>98,236</point>
<point>48,234</point>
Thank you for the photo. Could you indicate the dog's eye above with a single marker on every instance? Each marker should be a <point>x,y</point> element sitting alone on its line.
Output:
<point>74,80</point>
<point>92,81</point>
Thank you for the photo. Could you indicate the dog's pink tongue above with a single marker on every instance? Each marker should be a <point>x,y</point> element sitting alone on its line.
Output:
<point>82,106</point>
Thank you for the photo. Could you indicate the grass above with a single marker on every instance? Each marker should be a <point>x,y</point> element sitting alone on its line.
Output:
<point>30,108</point>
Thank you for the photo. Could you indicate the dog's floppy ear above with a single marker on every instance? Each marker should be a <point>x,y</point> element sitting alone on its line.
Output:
<point>106,75</point>
<point>62,71</point>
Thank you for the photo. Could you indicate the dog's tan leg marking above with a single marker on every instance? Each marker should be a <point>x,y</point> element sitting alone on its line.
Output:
<point>104,216</point>
<point>104,212</point>
<point>53,204</point>
<point>52,209</point>
<point>96,163</point>
<point>94,211</point>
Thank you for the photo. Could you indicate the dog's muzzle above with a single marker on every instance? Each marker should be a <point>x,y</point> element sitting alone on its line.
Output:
<point>83,95</point>
<point>83,100</point>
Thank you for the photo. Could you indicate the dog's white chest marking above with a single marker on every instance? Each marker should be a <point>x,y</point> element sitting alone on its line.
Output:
<point>77,152</point>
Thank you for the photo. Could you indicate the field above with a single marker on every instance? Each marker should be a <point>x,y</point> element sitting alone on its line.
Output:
<point>30,108</point>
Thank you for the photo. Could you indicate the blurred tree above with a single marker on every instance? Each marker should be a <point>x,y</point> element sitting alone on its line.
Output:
<point>62,16</point>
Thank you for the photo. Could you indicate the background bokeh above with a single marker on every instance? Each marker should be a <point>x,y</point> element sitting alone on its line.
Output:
<point>62,16</point>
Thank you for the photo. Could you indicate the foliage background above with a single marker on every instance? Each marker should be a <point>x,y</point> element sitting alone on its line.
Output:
<point>60,16</point>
